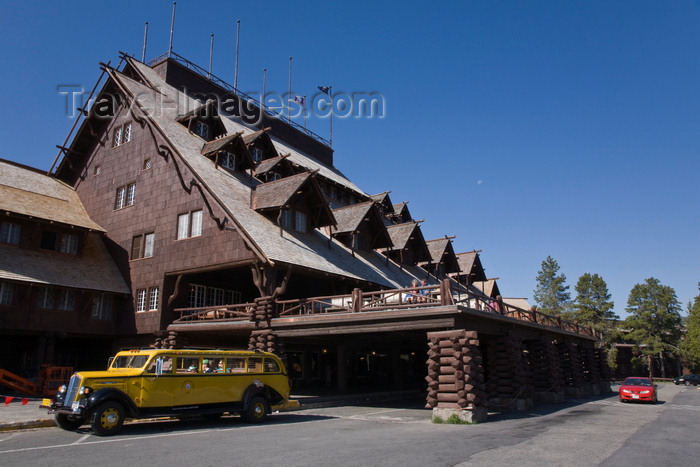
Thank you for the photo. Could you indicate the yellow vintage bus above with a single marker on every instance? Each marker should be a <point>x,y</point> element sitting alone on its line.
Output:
<point>149,383</point>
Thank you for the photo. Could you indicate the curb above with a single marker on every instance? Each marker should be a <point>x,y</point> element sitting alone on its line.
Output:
<point>27,425</point>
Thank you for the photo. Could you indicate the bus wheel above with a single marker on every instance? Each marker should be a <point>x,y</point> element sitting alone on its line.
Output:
<point>107,419</point>
<point>68,422</point>
<point>257,410</point>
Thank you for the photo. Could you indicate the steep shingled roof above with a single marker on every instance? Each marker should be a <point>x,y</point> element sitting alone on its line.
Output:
<point>32,193</point>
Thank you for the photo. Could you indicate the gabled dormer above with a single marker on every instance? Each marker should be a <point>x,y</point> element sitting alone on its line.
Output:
<point>204,121</point>
<point>361,227</point>
<point>471,270</point>
<point>443,260</point>
<point>260,146</point>
<point>409,245</point>
<point>489,287</point>
<point>293,203</point>
<point>273,169</point>
<point>386,208</point>
<point>229,152</point>
<point>401,213</point>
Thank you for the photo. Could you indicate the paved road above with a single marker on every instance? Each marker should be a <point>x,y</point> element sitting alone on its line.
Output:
<point>598,431</point>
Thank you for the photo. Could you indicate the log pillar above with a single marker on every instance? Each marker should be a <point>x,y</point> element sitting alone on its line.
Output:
<point>456,376</point>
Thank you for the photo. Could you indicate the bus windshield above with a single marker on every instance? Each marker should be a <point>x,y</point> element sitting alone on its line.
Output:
<point>129,361</point>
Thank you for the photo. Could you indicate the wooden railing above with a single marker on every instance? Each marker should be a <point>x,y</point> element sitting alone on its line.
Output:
<point>393,299</point>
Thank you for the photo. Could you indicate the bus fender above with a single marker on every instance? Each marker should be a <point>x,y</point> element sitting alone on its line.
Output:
<point>112,394</point>
<point>255,389</point>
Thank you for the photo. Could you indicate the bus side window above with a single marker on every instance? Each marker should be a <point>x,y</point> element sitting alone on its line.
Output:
<point>271,366</point>
<point>235,365</point>
<point>255,365</point>
<point>187,364</point>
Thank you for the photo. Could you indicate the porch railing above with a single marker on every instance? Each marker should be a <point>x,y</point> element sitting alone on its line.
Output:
<point>358,301</point>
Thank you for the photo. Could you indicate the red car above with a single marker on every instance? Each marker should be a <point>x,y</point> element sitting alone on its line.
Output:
<point>638,388</point>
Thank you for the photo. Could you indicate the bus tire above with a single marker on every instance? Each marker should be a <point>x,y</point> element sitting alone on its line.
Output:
<point>107,419</point>
<point>257,410</point>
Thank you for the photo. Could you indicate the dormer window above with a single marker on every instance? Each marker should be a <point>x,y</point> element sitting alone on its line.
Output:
<point>294,220</point>
<point>272,176</point>
<point>257,155</point>
<point>201,129</point>
<point>228,160</point>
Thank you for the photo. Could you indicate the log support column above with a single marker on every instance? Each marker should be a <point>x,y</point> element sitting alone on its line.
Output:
<point>456,376</point>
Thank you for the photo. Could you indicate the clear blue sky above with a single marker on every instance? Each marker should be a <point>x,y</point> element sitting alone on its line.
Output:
<point>526,129</point>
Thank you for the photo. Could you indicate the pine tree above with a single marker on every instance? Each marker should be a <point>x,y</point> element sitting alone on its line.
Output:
<point>551,294</point>
<point>655,321</point>
<point>690,347</point>
<point>592,305</point>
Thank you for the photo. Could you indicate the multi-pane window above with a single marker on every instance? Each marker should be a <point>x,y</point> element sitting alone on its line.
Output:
<point>146,164</point>
<point>189,224</point>
<point>9,233</point>
<point>257,155</point>
<point>6,293</point>
<point>68,243</point>
<point>122,135</point>
<point>153,299</point>
<point>228,160</point>
<point>141,300</point>
<point>142,246</point>
<point>294,220</point>
<point>51,298</point>
<point>201,129</point>
<point>63,242</point>
<point>201,296</point>
<point>126,196</point>
<point>197,296</point>
<point>97,170</point>
<point>102,306</point>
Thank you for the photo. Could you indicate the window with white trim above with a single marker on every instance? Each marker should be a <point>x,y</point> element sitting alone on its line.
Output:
<point>197,297</point>
<point>201,129</point>
<point>201,296</point>
<point>102,304</point>
<point>153,298</point>
<point>141,300</point>
<point>227,160</point>
<point>122,135</point>
<point>189,224</point>
<point>142,245</point>
<point>6,293</point>
<point>126,196</point>
<point>9,233</point>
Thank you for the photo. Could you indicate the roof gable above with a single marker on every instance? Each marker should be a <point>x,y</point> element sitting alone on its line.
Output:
<point>232,144</point>
<point>442,254</point>
<point>361,218</point>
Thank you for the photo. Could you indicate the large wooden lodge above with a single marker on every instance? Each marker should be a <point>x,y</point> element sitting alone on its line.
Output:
<point>171,218</point>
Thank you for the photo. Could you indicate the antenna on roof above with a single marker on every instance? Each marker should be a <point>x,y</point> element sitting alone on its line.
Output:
<point>211,53</point>
<point>172,27</point>
<point>235,68</point>
<point>145,40</point>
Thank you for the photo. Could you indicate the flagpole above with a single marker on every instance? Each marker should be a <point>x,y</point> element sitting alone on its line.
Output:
<point>145,40</point>
<point>211,53</point>
<point>235,70</point>
<point>330,94</point>
<point>304,107</point>
<point>172,26</point>
<point>289,94</point>
<point>262,95</point>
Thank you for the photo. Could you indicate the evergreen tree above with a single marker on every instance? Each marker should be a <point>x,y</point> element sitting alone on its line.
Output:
<point>592,305</point>
<point>690,347</point>
<point>551,294</point>
<point>655,321</point>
